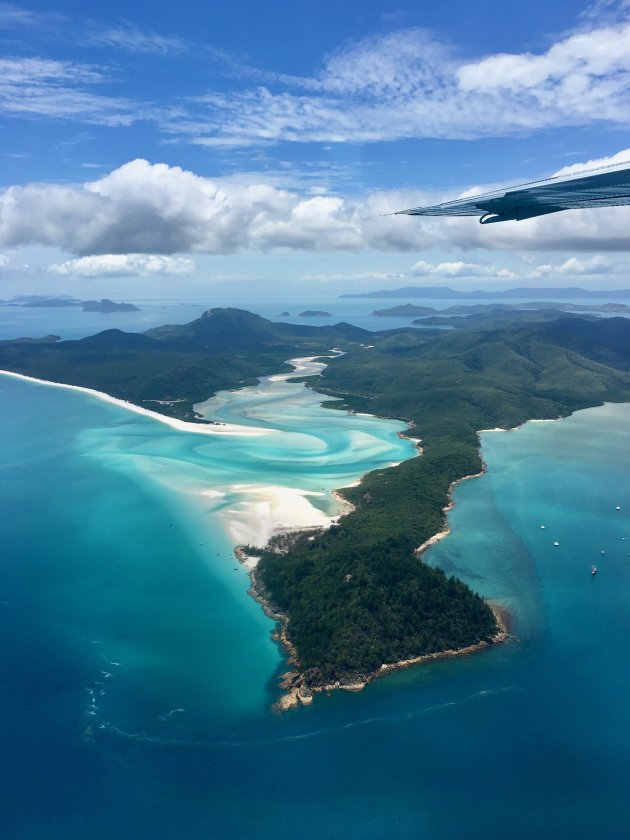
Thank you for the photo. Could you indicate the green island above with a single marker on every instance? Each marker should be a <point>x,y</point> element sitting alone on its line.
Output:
<point>357,600</point>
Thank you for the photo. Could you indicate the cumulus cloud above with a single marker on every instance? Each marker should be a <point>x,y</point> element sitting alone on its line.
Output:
<point>124,265</point>
<point>570,267</point>
<point>143,208</point>
<point>622,157</point>
<point>459,269</point>
<point>573,266</point>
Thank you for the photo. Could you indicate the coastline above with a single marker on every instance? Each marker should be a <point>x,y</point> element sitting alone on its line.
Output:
<point>295,689</point>
<point>296,692</point>
<point>446,530</point>
<point>274,509</point>
<point>204,428</point>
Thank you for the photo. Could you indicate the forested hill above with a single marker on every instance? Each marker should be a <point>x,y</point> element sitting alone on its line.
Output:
<point>225,348</point>
<point>357,596</point>
<point>221,329</point>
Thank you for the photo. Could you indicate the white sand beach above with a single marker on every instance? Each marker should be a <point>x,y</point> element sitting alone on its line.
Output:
<point>265,509</point>
<point>180,425</point>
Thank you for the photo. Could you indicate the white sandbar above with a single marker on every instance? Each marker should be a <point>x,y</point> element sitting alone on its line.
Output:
<point>265,509</point>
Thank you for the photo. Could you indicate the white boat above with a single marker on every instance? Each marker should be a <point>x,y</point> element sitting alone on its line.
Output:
<point>593,570</point>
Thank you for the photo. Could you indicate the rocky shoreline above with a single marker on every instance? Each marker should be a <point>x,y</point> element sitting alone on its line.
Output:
<point>293,683</point>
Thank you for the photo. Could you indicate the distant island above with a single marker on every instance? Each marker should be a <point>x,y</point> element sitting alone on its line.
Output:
<point>41,301</point>
<point>409,309</point>
<point>314,313</point>
<point>405,310</point>
<point>446,293</point>
<point>107,305</point>
<point>357,601</point>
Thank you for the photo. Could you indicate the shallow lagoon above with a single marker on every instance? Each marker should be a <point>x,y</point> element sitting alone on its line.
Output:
<point>112,605</point>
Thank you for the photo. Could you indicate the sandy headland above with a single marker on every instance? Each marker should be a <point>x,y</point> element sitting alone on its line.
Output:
<point>266,510</point>
<point>296,692</point>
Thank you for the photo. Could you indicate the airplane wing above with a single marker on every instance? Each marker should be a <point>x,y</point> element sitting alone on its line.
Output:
<point>589,188</point>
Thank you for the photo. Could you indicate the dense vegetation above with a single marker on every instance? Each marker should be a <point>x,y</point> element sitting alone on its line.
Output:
<point>222,349</point>
<point>448,386</point>
<point>357,595</point>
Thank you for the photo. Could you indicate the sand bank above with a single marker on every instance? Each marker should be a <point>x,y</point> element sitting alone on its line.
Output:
<point>180,425</point>
<point>268,509</point>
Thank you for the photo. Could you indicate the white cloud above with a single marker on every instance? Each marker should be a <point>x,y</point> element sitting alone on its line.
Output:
<point>575,168</point>
<point>143,208</point>
<point>85,32</point>
<point>131,38</point>
<point>407,84</point>
<point>49,88</point>
<point>459,269</point>
<point>573,266</point>
<point>124,265</point>
<point>609,11</point>
<point>361,276</point>
<point>14,16</point>
<point>386,87</point>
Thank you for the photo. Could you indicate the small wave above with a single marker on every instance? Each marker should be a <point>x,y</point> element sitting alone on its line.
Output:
<point>170,714</point>
<point>160,740</point>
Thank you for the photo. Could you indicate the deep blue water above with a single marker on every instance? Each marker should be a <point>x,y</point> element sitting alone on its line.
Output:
<point>137,673</point>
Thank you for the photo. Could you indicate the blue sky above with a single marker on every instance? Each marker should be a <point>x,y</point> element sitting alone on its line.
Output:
<point>161,149</point>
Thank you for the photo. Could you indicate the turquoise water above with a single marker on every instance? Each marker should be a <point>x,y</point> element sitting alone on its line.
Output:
<point>138,673</point>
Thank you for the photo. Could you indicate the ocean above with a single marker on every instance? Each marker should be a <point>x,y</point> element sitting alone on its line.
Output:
<point>72,322</point>
<point>138,674</point>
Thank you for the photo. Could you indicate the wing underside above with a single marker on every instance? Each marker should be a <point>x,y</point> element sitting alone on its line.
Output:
<point>599,189</point>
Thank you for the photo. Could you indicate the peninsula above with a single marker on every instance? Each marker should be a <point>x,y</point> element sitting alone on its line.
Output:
<point>357,600</point>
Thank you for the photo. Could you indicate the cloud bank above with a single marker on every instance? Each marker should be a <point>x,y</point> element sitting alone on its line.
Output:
<point>123,265</point>
<point>147,209</point>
